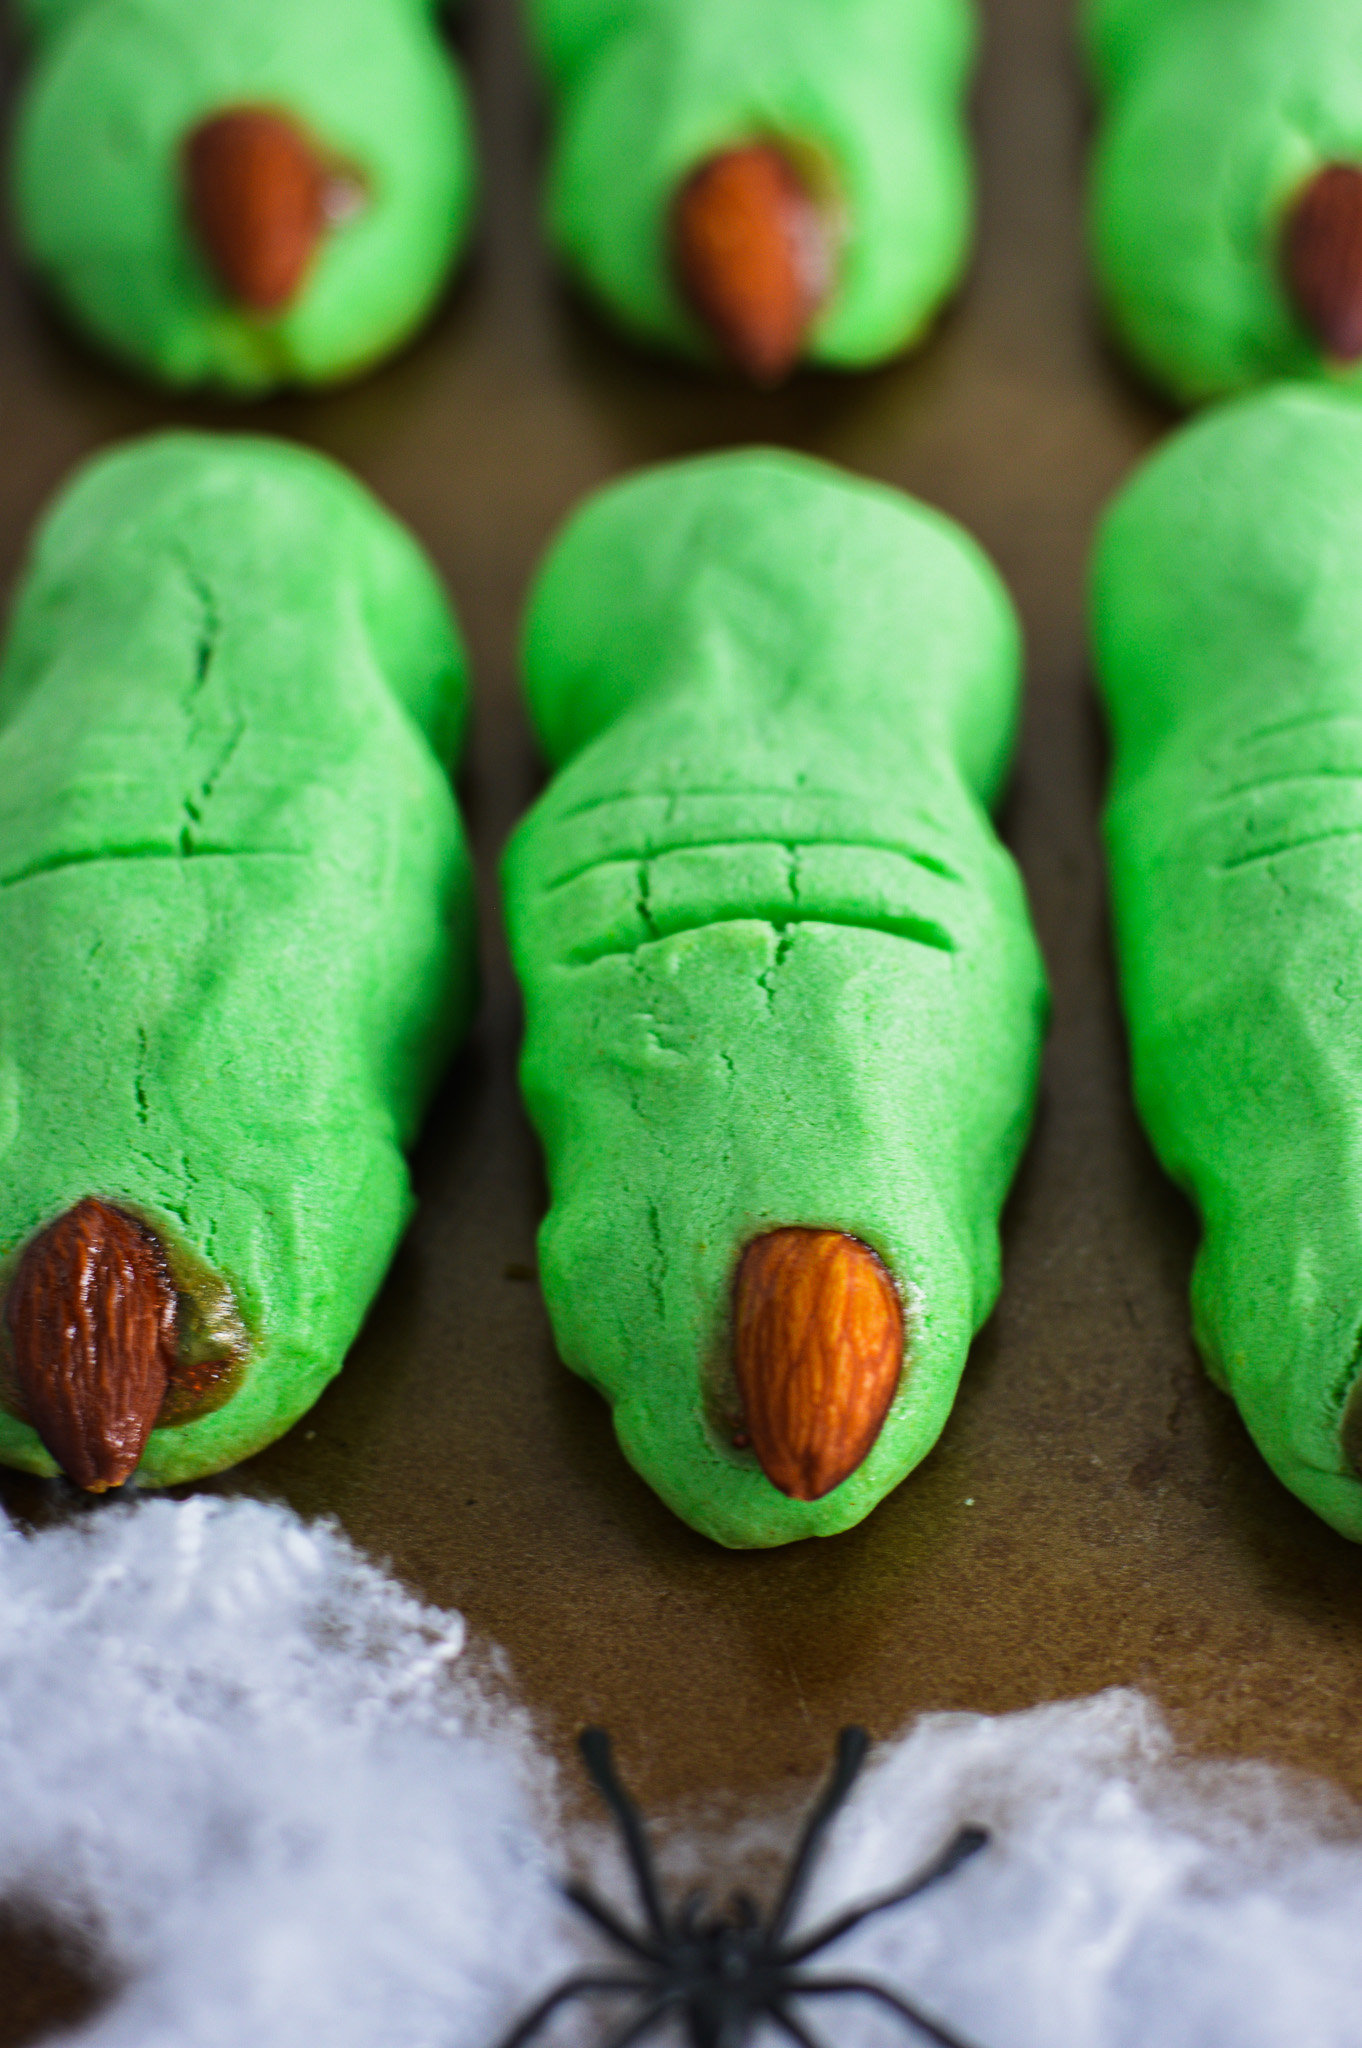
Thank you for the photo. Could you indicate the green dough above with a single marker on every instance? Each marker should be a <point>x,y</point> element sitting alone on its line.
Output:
<point>871,89</point>
<point>1217,114</point>
<point>234,894</point>
<point>117,87</point>
<point>777,967</point>
<point>1228,618</point>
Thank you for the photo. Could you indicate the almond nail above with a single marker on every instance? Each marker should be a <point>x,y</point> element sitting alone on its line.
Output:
<point>818,1350</point>
<point>256,195</point>
<point>1322,259</point>
<point>752,251</point>
<point>92,1319</point>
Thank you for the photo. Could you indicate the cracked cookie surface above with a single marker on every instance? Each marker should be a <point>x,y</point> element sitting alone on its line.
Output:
<point>234,881</point>
<point>778,970</point>
<point>1226,645</point>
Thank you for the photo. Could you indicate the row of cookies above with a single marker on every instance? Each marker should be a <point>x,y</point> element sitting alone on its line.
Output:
<point>236,879</point>
<point>784,1006</point>
<point>247,194</point>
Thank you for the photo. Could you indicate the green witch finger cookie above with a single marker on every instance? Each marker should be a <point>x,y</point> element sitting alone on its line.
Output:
<point>768,180</point>
<point>246,193</point>
<point>1228,616</point>
<point>235,911</point>
<point>783,1003</point>
<point>1227,187</point>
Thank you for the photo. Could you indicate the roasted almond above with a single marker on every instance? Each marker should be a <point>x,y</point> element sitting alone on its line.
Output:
<point>92,1322</point>
<point>752,252</point>
<point>818,1351</point>
<point>256,193</point>
<point>1322,259</point>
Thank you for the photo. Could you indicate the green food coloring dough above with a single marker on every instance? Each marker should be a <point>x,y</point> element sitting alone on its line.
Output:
<point>1228,617</point>
<point>867,92</point>
<point>117,86</point>
<point>777,967</point>
<point>235,896</point>
<point>1217,113</point>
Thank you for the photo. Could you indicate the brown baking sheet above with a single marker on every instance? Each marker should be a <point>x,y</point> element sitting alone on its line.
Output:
<point>1095,1514</point>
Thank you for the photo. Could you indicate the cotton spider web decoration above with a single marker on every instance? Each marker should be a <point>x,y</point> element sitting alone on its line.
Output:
<point>723,1973</point>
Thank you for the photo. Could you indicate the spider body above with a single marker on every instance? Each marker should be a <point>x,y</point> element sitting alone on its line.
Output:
<point>722,1973</point>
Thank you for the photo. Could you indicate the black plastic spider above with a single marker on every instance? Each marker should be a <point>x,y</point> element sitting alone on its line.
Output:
<point>724,1972</point>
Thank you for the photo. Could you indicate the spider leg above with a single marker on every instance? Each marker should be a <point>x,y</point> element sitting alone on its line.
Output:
<point>641,2024</point>
<point>967,1843</point>
<point>585,1900</point>
<point>821,1987</point>
<point>788,2024</point>
<point>692,1906</point>
<point>594,1745</point>
<point>582,1986</point>
<point>852,1745</point>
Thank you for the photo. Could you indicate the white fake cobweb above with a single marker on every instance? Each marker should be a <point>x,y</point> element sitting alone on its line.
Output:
<point>245,1755</point>
<point>250,1761</point>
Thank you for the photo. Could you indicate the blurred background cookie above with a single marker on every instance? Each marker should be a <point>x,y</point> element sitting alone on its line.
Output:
<point>1226,206</point>
<point>243,194</point>
<point>764,182</point>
